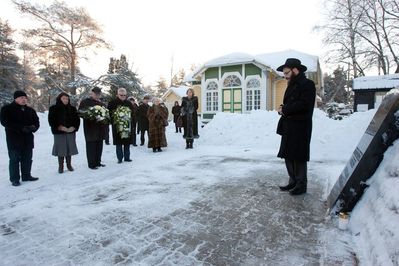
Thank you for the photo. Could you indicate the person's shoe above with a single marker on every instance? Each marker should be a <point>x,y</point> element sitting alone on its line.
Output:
<point>69,163</point>
<point>128,160</point>
<point>154,150</point>
<point>119,161</point>
<point>16,184</point>
<point>287,187</point>
<point>191,145</point>
<point>299,189</point>
<point>135,145</point>
<point>106,142</point>
<point>31,178</point>
<point>187,146</point>
<point>141,144</point>
<point>101,165</point>
<point>159,149</point>
<point>93,167</point>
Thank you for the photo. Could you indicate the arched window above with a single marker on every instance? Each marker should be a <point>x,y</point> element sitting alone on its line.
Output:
<point>253,94</point>
<point>212,96</point>
<point>232,81</point>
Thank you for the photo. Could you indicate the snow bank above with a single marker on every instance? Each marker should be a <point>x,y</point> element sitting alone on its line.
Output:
<point>375,220</point>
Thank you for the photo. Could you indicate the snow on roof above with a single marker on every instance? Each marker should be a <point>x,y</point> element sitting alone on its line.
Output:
<point>230,59</point>
<point>376,82</point>
<point>272,60</point>
<point>179,91</point>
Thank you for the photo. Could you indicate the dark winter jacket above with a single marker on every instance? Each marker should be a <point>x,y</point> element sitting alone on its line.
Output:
<point>94,131</point>
<point>20,122</point>
<point>295,125</point>
<point>112,106</point>
<point>142,116</point>
<point>189,108</point>
<point>63,115</point>
<point>176,112</point>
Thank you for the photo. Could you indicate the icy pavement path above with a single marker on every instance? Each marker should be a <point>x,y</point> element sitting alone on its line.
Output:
<point>198,207</point>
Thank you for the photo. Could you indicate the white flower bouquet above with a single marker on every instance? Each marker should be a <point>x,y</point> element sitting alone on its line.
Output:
<point>96,113</point>
<point>122,121</point>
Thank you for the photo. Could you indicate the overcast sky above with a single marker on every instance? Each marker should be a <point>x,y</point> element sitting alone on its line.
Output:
<point>149,32</point>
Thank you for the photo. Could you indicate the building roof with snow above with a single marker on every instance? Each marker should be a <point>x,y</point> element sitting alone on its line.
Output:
<point>179,91</point>
<point>376,82</point>
<point>270,61</point>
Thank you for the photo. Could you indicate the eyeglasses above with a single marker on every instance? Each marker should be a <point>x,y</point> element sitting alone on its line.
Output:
<point>286,73</point>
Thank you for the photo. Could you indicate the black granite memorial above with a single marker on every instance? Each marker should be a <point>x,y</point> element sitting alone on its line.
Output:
<point>380,134</point>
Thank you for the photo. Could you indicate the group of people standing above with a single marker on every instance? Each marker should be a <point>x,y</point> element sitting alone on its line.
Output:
<point>21,121</point>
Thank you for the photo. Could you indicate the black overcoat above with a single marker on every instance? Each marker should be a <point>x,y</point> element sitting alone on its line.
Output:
<point>14,118</point>
<point>93,130</point>
<point>295,125</point>
<point>176,109</point>
<point>63,115</point>
<point>142,116</point>
<point>189,108</point>
<point>112,106</point>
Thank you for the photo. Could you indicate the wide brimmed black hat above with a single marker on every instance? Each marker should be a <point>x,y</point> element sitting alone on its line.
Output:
<point>292,63</point>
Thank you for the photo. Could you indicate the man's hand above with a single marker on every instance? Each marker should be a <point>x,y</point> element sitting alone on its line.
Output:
<point>280,110</point>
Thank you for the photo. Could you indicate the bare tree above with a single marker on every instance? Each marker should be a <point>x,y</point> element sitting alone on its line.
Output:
<point>341,34</point>
<point>63,31</point>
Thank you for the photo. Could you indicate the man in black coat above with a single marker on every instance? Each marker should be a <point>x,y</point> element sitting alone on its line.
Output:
<point>295,124</point>
<point>20,122</point>
<point>94,131</point>
<point>134,122</point>
<point>143,119</point>
<point>116,136</point>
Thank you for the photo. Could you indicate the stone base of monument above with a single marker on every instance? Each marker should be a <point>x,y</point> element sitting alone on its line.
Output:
<point>379,135</point>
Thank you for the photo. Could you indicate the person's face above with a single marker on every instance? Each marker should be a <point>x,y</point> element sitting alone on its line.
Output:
<point>287,73</point>
<point>122,95</point>
<point>145,101</point>
<point>22,100</point>
<point>157,102</point>
<point>189,93</point>
<point>95,96</point>
<point>64,99</point>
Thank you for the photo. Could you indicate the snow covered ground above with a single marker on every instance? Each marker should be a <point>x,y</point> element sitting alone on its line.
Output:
<point>217,204</point>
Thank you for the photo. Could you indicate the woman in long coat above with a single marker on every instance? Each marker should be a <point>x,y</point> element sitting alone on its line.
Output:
<point>176,110</point>
<point>189,108</point>
<point>64,122</point>
<point>157,117</point>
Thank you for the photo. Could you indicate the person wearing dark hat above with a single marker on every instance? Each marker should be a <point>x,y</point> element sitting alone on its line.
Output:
<point>134,122</point>
<point>20,122</point>
<point>295,124</point>
<point>94,131</point>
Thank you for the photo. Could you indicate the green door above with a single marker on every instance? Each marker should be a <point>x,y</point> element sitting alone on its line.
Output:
<point>232,100</point>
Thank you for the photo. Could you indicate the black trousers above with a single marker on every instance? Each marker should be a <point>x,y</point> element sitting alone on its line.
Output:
<point>297,171</point>
<point>142,139</point>
<point>20,159</point>
<point>94,150</point>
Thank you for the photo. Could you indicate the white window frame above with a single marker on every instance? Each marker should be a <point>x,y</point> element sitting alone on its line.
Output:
<point>256,94</point>
<point>214,97</point>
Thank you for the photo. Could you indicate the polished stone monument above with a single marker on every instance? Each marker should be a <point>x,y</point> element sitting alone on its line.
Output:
<point>379,135</point>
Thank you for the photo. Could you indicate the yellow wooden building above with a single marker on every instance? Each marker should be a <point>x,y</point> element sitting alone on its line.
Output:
<point>240,83</point>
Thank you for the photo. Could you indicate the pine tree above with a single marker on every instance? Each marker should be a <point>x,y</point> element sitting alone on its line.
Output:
<point>161,87</point>
<point>10,68</point>
<point>336,86</point>
<point>119,75</point>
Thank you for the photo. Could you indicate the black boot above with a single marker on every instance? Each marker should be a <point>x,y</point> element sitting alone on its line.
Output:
<point>69,163</point>
<point>291,185</point>
<point>299,189</point>
<point>60,164</point>
<point>154,150</point>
